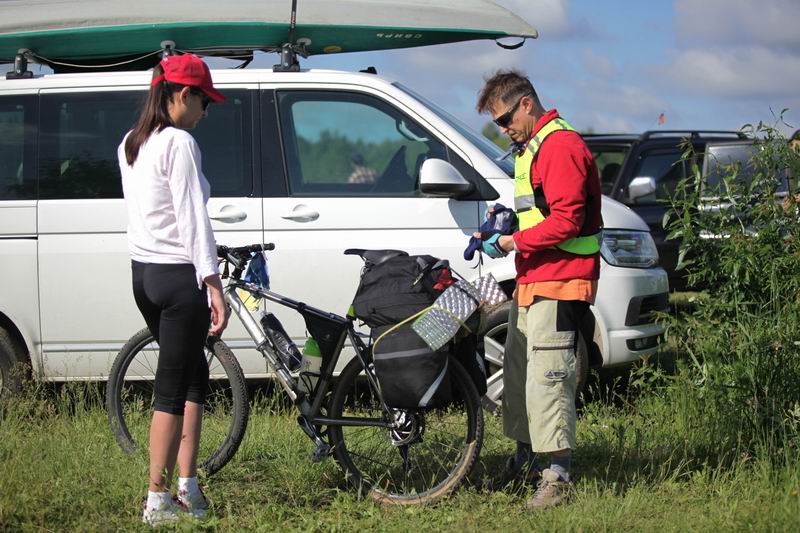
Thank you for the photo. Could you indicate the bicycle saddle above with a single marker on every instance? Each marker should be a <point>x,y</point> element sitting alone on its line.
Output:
<point>375,257</point>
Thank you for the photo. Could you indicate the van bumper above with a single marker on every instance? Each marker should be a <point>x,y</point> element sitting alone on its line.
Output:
<point>630,331</point>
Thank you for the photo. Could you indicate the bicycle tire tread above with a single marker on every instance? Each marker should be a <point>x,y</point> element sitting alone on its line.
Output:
<point>241,408</point>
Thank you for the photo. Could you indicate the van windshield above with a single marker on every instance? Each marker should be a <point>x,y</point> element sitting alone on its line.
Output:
<point>502,159</point>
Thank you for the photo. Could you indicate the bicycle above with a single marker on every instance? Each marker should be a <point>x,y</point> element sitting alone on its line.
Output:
<point>391,455</point>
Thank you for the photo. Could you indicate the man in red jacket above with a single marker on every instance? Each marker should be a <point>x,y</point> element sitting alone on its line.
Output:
<point>557,201</point>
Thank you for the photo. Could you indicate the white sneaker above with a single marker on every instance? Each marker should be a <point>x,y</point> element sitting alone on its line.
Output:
<point>196,504</point>
<point>155,516</point>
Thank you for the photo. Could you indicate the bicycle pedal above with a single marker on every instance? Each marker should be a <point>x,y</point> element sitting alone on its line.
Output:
<point>321,451</point>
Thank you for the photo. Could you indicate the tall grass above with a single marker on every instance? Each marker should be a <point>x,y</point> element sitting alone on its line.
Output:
<point>640,465</point>
<point>741,243</point>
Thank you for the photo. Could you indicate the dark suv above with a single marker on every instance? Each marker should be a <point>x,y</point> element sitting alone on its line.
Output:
<point>642,171</point>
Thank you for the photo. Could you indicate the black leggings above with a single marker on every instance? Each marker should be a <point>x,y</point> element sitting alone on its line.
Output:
<point>177,313</point>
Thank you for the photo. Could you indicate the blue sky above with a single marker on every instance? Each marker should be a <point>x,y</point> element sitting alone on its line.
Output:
<point>616,65</point>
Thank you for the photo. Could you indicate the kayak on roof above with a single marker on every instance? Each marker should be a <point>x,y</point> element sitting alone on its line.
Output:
<point>104,31</point>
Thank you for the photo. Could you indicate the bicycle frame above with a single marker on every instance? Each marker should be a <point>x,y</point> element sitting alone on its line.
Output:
<point>309,408</point>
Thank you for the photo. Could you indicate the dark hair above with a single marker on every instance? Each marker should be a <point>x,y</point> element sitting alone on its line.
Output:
<point>154,115</point>
<point>506,86</point>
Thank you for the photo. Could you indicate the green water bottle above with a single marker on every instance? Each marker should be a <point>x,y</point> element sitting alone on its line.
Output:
<point>310,366</point>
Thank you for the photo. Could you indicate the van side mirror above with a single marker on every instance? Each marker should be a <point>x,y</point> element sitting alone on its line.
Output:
<point>439,178</point>
<point>641,187</point>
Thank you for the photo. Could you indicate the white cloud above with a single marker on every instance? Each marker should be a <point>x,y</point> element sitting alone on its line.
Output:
<point>597,65</point>
<point>737,56</point>
<point>602,122</point>
<point>739,71</point>
<point>619,106</point>
<point>462,59</point>
<point>771,23</point>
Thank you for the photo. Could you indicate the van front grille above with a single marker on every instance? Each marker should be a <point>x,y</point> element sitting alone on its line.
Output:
<point>642,309</point>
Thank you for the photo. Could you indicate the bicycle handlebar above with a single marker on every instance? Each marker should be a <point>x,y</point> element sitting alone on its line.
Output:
<point>223,251</point>
<point>239,256</point>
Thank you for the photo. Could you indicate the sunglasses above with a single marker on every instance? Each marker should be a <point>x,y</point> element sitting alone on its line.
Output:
<point>505,119</point>
<point>201,94</point>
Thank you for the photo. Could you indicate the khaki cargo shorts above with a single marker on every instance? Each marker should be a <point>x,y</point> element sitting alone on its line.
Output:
<point>539,374</point>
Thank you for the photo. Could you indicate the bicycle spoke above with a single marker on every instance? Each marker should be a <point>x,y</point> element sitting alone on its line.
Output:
<point>436,441</point>
<point>371,459</point>
<point>136,393</point>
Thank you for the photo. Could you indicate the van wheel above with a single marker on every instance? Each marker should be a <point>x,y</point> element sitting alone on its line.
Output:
<point>12,358</point>
<point>494,329</point>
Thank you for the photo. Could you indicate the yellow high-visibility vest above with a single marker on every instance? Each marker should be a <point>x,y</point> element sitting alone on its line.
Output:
<point>525,206</point>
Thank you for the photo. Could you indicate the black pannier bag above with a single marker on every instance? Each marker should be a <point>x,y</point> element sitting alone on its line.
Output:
<point>469,353</point>
<point>399,287</point>
<point>410,374</point>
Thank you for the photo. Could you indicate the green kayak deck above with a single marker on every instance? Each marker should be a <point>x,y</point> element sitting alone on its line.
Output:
<point>112,29</point>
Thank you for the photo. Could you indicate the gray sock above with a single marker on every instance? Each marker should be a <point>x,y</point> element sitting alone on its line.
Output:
<point>560,464</point>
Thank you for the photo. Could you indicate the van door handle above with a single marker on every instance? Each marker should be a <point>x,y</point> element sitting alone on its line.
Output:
<point>301,213</point>
<point>229,213</point>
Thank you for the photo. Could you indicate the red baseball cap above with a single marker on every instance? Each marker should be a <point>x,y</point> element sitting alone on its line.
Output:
<point>189,70</point>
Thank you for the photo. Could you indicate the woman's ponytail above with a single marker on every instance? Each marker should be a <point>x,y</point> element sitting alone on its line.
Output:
<point>154,117</point>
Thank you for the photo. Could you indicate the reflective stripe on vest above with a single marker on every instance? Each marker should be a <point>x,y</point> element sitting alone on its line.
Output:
<point>528,213</point>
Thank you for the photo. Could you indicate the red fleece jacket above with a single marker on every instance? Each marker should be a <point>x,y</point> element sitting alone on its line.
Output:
<point>566,170</point>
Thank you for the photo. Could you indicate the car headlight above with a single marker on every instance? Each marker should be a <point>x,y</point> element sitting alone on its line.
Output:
<point>627,248</point>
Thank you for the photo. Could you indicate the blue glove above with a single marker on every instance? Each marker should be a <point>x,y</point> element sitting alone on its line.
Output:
<point>257,271</point>
<point>492,248</point>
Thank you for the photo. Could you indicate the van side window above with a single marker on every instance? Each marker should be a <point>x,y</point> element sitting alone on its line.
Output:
<point>80,133</point>
<point>349,144</point>
<point>17,140</point>
<point>226,143</point>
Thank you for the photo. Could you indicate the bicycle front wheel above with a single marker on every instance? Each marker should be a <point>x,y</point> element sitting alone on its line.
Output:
<point>420,462</point>
<point>130,397</point>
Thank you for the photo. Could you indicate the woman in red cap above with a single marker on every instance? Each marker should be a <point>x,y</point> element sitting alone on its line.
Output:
<point>175,273</point>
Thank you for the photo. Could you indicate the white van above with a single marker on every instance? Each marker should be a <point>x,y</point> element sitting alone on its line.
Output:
<point>314,161</point>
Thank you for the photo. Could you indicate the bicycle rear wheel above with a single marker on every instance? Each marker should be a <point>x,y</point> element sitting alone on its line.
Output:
<point>422,461</point>
<point>129,400</point>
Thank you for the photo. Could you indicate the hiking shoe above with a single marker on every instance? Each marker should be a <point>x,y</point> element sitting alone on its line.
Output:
<point>155,516</point>
<point>519,470</point>
<point>195,504</point>
<point>552,491</point>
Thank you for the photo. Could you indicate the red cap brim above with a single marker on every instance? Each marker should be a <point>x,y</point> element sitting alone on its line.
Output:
<point>214,94</point>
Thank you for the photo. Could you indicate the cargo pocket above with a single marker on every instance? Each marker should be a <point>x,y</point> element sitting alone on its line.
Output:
<point>553,364</point>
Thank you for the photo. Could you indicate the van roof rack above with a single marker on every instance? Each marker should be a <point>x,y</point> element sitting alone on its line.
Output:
<point>694,134</point>
<point>288,51</point>
<point>20,66</point>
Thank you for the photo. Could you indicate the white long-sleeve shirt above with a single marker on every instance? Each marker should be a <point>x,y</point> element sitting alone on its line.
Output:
<point>166,194</point>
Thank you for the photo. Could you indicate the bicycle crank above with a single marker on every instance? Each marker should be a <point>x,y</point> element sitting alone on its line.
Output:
<point>321,448</point>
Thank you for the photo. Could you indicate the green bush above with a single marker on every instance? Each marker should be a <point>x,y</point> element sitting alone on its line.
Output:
<point>741,244</point>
